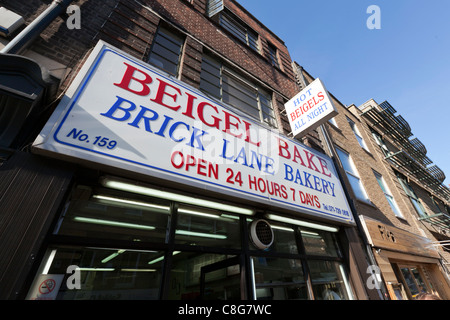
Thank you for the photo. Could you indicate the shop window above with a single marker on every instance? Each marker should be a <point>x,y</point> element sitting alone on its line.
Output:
<point>413,277</point>
<point>320,243</point>
<point>329,281</point>
<point>135,232</point>
<point>205,276</point>
<point>101,213</point>
<point>103,274</point>
<point>198,226</point>
<point>285,239</point>
<point>388,195</point>
<point>279,279</point>
<point>224,84</point>
<point>352,175</point>
<point>166,50</point>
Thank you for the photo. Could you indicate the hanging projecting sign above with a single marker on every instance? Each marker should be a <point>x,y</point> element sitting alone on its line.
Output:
<point>121,112</point>
<point>309,108</point>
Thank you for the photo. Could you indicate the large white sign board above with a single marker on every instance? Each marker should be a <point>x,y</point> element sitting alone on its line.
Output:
<point>309,108</point>
<point>123,113</point>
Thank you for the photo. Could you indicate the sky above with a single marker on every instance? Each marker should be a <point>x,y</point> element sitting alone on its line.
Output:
<point>406,61</point>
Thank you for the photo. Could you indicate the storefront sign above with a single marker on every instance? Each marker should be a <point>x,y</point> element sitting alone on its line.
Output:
<point>384,236</point>
<point>121,112</point>
<point>309,108</point>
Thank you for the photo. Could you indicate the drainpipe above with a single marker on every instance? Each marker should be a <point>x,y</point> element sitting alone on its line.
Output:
<point>34,29</point>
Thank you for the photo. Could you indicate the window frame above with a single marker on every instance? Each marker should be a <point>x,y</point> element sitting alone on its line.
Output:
<point>412,196</point>
<point>172,38</point>
<point>357,134</point>
<point>353,174</point>
<point>223,77</point>
<point>387,193</point>
<point>273,55</point>
<point>239,29</point>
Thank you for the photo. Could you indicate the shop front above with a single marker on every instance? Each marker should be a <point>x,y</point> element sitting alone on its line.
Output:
<point>179,197</point>
<point>408,263</point>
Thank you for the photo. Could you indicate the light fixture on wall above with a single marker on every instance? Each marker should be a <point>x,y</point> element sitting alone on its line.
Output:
<point>302,223</point>
<point>134,188</point>
<point>113,223</point>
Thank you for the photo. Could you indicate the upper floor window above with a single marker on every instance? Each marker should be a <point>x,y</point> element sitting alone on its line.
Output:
<point>166,51</point>
<point>357,134</point>
<point>379,140</point>
<point>412,195</point>
<point>227,86</point>
<point>239,29</point>
<point>273,55</point>
<point>352,175</point>
<point>388,195</point>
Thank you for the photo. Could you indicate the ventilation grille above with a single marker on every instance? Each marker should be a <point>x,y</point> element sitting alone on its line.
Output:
<point>261,234</point>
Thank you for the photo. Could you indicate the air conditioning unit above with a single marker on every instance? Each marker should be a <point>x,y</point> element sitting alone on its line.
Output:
<point>261,234</point>
<point>9,22</point>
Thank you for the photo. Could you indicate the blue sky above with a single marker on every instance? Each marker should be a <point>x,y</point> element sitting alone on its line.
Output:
<point>406,62</point>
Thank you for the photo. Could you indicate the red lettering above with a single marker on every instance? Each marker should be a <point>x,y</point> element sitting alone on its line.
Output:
<point>284,147</point>
<point>190,162</point>
<point>162,92</point>
<point>172,159</point>
<point>190,106</point>
<point>323,165</point>
<point>200,111</point>
<point>228,123</point>
<point>129,75</point>
<point>201,166</point>
<point>309,157</point>
<point>297,155</point>
<point>247,134</point>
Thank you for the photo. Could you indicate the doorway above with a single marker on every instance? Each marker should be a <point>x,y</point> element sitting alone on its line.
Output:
<point>222,280</point>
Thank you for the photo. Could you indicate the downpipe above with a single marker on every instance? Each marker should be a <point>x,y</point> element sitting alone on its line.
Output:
<point>34,29</point>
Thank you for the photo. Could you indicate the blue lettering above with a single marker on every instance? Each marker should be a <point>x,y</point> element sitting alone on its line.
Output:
<point>196,137</point>
<point>174,127</point>
<point>118,106</point>
<point>243,156</point>
<point>307,182</point>
<point>269,165</point>
<point>224,150</point>
<point>163,126</point>
<point>288,172</point>
<point>141,115</point>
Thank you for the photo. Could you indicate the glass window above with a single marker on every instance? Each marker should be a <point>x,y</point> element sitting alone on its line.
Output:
<point>329,281</point>
<point>412,195</point>
<point>279,279</point>
<point>104,274</point>
<point>101,213</point>
<point>357,134</point>
<point>198,226</point>
<point>166,51</point>
<point>239,30</point>
<point>320,243</point>
<point>204,275</point>
<point>285,239</point>
<point>379,140</point>
<point>227,86</point>
<point>388,195</point>
<point>352,175</point>
<point>273,55</point>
